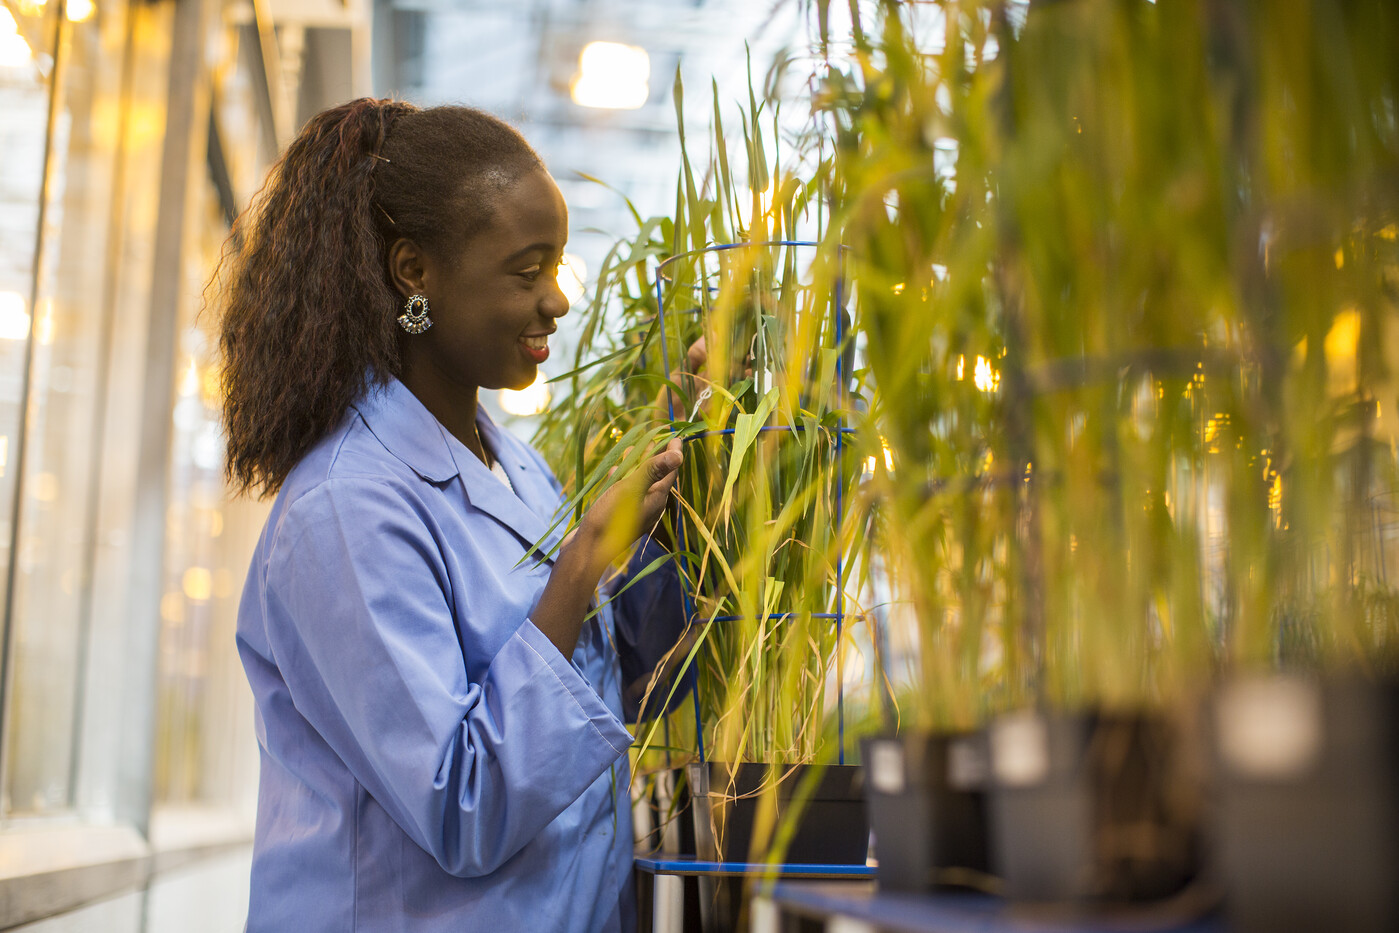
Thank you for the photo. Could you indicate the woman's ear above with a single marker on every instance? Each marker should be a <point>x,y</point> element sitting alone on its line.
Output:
<point>406,267</point>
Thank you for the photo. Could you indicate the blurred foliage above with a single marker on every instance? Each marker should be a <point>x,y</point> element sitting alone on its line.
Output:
<point>1168,230</point>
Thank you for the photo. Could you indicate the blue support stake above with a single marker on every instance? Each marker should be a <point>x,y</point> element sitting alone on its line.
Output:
<point>841,431</point>
<point>840,515</point>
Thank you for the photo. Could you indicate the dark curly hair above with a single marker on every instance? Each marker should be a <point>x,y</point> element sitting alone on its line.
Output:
<point>308,309</point>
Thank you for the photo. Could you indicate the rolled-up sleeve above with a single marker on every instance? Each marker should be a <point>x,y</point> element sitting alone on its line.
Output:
<point>359,619</point>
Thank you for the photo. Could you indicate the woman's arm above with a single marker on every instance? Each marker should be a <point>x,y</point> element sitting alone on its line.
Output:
<point>362,643</point>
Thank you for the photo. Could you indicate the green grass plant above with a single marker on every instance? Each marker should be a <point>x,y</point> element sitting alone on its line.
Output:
<point>769,477</point>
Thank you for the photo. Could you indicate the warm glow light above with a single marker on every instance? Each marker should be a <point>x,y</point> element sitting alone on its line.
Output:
<point>872,461</point>
<point>45,487</point>
<point>986,378</point>
<point>14,51</point>
<point>1343,339</point>
<point>80,11</point>
<point>172,608</point>
<point>190,381</point>
<point>43,321</point>
<point>1342,346</point>
<point>573,272</point>
<point>211,386</point>
<point>14,320</point>
<point>612,76</point>
<point>529,401</point>
<point>198,583</point>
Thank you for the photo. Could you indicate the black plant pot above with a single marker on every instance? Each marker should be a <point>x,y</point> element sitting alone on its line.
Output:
<point>1092,808</point>
<point>927,807</point>
<point>1308,805</point>
<point>832,829</point>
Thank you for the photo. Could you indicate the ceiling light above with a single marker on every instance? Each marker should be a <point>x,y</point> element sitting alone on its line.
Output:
<point>80,11</point>
<point>612,76</point>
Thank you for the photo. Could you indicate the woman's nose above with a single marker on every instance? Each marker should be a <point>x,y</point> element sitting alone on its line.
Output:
<point>554,302</point>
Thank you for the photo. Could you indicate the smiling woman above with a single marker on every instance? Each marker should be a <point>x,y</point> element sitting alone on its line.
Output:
<point>440,707</point>
<point>495,300</point>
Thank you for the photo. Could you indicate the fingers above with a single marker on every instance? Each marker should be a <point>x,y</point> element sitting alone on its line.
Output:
<point>666,462</point>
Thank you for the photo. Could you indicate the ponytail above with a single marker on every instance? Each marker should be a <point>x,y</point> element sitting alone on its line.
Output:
<point>308,310</point>
<point>304,273</point>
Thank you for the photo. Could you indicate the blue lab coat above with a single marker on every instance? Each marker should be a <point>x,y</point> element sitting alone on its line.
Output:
<point>429,760</point>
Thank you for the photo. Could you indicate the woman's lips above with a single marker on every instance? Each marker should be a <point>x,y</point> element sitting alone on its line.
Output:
<point>536,348</point>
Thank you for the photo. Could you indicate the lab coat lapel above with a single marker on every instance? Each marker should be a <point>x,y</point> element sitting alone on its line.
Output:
<point>528,511</point>
<point>410,432</point>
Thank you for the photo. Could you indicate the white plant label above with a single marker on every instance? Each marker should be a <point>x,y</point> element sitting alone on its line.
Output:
<point>1270,729</point>
<point>886,767</point>
<point>1020,750</point>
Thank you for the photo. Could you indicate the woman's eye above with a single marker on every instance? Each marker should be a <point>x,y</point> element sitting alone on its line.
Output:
<point>532,272</point>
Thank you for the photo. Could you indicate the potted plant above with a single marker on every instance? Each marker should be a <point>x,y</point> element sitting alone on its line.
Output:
<point>1054,428</point>
<point>761,534</point>
<point>934,436</point>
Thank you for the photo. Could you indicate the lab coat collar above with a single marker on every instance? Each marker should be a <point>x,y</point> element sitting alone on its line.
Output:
<point>408,430</point>
<point>412,434</point>
<point>527,510</point>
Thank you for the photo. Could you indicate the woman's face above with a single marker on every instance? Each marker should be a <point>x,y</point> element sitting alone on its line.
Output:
<point>495,300</point>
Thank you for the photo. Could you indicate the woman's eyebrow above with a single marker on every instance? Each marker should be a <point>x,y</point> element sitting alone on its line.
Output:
<point>544,248</point>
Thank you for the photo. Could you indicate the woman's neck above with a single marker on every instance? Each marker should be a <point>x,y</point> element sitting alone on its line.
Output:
<point>452,404</point>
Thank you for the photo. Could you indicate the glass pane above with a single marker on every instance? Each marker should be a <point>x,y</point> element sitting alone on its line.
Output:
<point>71,320</point>
<point>205,749</point>
<point>24,105</point>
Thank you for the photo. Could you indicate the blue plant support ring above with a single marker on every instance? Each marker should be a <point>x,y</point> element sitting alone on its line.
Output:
<point>687,604</point>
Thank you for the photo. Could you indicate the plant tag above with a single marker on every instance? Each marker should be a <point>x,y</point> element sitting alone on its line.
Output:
<point>839,923</point>
<point>1020,750</point>
<point>1270,729</point>
<point>886,767</point>
<point>764,917</point>
<point>966,765</point>
<point>704,396</point>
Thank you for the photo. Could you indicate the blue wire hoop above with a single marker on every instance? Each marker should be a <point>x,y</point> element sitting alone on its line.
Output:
<point>838,306</point>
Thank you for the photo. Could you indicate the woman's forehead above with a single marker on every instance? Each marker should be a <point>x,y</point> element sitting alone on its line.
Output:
<point>530,211</point>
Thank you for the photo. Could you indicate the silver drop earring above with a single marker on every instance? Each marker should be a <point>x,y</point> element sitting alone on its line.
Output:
<point>414,318</point>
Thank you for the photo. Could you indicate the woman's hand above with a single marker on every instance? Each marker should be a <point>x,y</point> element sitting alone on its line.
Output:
<point>629,508</point>
<point>611,524</point>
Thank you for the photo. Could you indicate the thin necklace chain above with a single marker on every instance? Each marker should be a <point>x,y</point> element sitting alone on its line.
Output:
<point>486,457</point>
